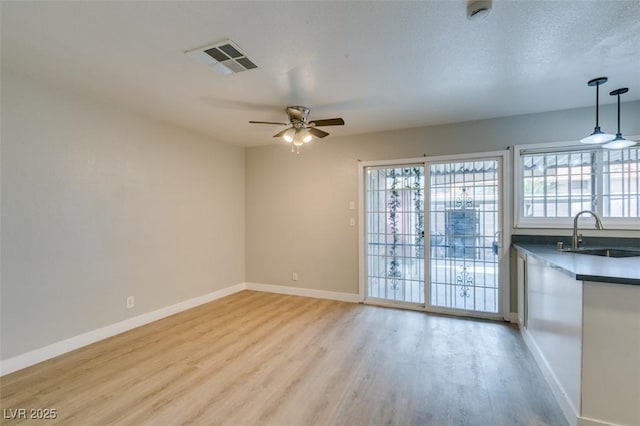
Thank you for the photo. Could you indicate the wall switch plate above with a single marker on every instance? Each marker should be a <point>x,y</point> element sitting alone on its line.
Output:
<point>131,302</point>
<point>352,205</point>
<point>294,276</point>
<point>352,221</point>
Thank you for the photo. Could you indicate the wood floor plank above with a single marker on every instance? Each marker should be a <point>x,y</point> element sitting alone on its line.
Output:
<point>266,359</point>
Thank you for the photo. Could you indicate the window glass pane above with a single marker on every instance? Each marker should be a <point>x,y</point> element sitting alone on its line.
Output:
<point>560,184</point>
<point>620,183</point>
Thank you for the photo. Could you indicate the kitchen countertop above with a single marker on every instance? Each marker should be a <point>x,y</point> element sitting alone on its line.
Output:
<point>586,267</point>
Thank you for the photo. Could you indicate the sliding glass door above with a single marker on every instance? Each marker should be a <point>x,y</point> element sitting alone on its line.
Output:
<point>432,234</point>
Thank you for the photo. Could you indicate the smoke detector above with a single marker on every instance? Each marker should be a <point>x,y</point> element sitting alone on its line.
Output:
<point>224,57</point>
<point>478,9</point>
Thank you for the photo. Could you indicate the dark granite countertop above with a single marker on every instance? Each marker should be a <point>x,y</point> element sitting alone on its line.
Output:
<point>585,267</point>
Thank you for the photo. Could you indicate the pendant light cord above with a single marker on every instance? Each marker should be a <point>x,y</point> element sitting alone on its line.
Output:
<point>619,115</point>
<point>597,104</point>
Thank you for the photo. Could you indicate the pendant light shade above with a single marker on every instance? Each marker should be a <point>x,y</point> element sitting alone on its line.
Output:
<point>619,142</point>
<point>597,136</point>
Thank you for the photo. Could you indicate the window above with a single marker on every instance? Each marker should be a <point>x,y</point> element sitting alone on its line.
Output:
<point>554,183</point>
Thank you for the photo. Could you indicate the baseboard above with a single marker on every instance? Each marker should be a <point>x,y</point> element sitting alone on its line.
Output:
<point>304,292</point>
<point>569,411</point>
<point>50,351</point>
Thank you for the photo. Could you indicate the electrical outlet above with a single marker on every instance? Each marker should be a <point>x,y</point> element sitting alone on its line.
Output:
<point>294,276</point>
<point>131,302</point>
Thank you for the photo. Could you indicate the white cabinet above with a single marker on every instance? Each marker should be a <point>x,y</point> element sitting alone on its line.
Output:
<point>585,336</point>
<point>611,353</point>
<point>554,324</point>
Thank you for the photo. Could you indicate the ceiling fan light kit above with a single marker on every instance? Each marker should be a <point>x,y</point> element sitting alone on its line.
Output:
<point>289,135</point>
<point>305,135</point>
<point>597,136</point>
<point>301,131</point>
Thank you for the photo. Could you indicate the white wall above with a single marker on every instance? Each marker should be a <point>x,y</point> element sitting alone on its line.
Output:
<point>99,203</point>
<point>297,205</point>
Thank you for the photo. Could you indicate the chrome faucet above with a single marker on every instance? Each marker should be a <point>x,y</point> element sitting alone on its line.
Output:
<point>577,238</point>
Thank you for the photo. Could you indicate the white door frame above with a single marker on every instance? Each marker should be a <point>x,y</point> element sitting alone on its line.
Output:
<point>505,243</point>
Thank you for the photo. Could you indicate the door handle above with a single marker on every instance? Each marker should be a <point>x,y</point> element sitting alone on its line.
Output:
<point>497,242</point>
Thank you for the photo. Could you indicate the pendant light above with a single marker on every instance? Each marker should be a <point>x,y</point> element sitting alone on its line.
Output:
<point>597,136</point>
<point>619,141</point>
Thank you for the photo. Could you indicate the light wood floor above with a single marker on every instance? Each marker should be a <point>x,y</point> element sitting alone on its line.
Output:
<point>258,358</point>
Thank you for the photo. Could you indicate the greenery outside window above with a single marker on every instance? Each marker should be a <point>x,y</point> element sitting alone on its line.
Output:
<point>554,182</point>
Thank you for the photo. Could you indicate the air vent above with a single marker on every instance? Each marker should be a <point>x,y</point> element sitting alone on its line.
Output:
<point>224,57</point>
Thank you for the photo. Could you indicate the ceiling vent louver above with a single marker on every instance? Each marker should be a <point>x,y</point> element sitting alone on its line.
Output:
<point>224,57</point>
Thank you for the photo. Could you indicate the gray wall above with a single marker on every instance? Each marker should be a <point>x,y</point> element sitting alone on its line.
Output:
<point>297,205</point>
<point>99,203</point>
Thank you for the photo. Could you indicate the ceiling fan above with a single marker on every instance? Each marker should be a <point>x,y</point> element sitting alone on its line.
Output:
<point>301,130</point>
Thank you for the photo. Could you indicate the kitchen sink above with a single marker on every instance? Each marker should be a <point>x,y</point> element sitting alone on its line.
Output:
<point>606,252</point>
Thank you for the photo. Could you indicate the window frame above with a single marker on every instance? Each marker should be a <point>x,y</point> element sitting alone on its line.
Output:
<point>521,221</point>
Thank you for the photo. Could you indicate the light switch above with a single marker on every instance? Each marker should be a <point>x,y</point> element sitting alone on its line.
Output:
<point>352,205</point>
<point>352,221</point>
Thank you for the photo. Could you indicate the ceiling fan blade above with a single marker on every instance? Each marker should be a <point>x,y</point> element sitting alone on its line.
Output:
<point>317,132</point>
<point>268,122</point>
<point>327,122</point>
<point>279,134</point>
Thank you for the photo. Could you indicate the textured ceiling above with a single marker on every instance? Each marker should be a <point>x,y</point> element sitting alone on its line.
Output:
<point>380,65</point>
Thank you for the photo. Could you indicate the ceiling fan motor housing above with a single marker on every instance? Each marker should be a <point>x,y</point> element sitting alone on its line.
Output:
<point>297,114</point>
